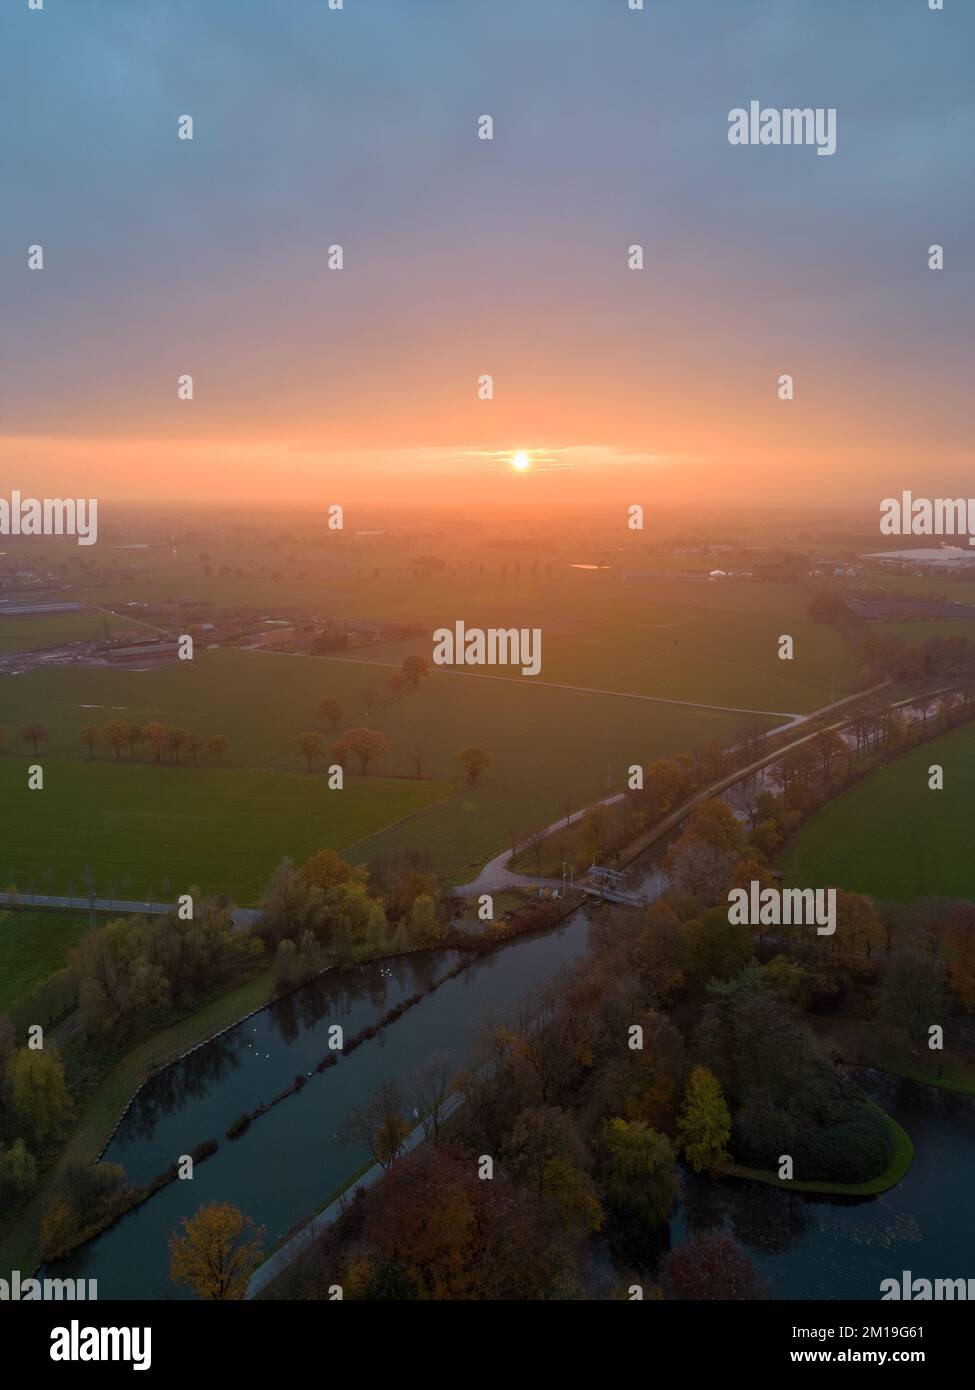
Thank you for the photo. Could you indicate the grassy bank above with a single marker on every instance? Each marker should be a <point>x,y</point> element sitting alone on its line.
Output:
<point>902,1156</point>
<point>19,1248</point>
<point>33,946</point>
<point>890,836</point>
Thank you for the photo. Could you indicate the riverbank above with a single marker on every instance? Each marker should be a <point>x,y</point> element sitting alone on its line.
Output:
<point>115,1091</point>
<point>102,1112</point>
<point>858,1044</point>
<point>902,1156</point>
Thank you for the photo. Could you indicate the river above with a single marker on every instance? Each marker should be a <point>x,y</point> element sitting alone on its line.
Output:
<point>290,1159</point>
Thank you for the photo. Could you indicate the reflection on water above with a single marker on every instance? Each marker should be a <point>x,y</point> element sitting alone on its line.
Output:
<point>290,1159</point>
<point>808,1247</point>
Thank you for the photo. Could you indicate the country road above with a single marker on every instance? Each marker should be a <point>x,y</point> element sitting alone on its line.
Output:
<point>495,877</point>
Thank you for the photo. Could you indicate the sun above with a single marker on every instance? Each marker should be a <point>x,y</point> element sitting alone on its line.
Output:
<point>520,462</point>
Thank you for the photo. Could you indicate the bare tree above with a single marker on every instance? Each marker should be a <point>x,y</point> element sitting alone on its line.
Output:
<point>379,1124</point>
<point>430,1088</point>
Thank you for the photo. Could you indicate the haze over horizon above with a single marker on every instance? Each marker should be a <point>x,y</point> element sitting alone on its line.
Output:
<point>465,257</point>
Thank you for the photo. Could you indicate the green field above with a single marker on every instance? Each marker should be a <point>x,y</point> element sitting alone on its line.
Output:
<point>911,634</point>
<point>32,631</point>
<point>546,744</point>
<point>166,828</point>
<point>890,836</point>
<point>33,945</point>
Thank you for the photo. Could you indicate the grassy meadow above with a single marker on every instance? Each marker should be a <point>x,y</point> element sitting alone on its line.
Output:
<point>547,745</point>
<point>33,945</point>
<point>164,828</point>
<point>892,837</point>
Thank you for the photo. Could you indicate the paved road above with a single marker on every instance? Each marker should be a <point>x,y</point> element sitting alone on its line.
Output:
<point>495,876</point>
<point>243,916</point>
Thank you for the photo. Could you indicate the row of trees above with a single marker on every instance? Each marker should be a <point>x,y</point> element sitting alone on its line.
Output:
<point>119,734</point>
<point>369,745</point>
<point>164,742</point>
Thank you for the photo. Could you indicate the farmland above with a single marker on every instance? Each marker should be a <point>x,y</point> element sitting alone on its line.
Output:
<point>33,630</point>
<point>547,745</point>
<point>892,837</point>
<point>143,827</point>
<point>33,946</point>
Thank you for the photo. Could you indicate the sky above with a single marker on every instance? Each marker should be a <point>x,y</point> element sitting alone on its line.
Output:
<point>465,257</point>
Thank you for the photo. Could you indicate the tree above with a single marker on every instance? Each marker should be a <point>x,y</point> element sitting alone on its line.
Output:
<point>704,1125</point>
<point>331,710</point>
<point>218,745</point>
<point>175,742</point>
<point>290,905</point>
<point>116,733</point>
<point>365,744</point>
<point>325,869</point>
<point>414,668</point>
<point>18,1171</point>
<point>709,1266</point>
<point>193,745</point>
<point>430,1088</point>
<point>39,1096</point>
<point>641,1176</point>
<point>34,734</point>
<point>860,931</point>
<point>423,924</point>
<point>312,745</point>
<point>217,1252</point>
<point>90,737</point>
<point>829,746</point>
<point>912,996</point>
<point>378,1125</point>
<point>136,735</point>
<point>962,946</point>
<point>156,736</point>
<point>474,761</point>
<point>714,948</point>
<point>665,784</point>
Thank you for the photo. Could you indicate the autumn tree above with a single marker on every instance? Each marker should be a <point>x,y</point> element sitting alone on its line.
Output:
<point>379,1125</point>
<point>704,1125</point>
<point>116,734</point>
<point>156,738</point>
<point>640,1172</point>
<point>174,742</point>
<point>311,746</point>
<point>34,734</point>
<point>39,1095</point>
<point>423,923</point>
<point>331,710</point>
<point>912,996</point>
<point>474,761</point>
<point>962,948</point>
<point>217,1252</point>
<point>325,869</point>
<point>709,1266</point>
<point>415,668</point>
<point>218,745</point>
<point>364,744</point>
<point>90,737</point>
<point>666,783</point>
